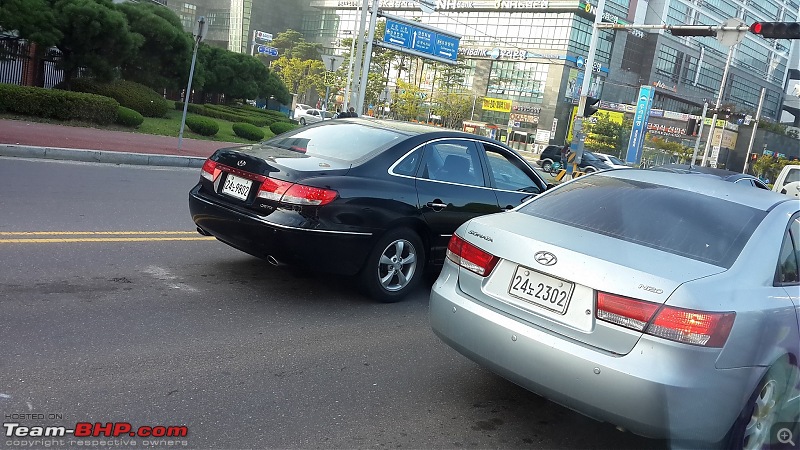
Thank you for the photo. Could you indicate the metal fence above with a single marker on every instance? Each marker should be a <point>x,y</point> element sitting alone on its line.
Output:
<point>18,65</point>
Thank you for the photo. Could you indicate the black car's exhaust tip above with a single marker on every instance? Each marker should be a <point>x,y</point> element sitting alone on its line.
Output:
<point>203,232</point>
<point>271,259</point>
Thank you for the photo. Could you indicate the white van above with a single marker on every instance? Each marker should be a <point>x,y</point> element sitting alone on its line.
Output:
<point>788,181</point>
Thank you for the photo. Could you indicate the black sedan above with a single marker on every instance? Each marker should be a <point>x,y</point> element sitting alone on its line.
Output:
<point>376,199</point>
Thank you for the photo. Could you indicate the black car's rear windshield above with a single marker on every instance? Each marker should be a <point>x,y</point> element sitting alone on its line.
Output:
<point>344,141</point>
<point>684,223</point>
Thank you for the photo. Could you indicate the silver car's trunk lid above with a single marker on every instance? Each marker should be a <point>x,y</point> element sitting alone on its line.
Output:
<point>577,264</point>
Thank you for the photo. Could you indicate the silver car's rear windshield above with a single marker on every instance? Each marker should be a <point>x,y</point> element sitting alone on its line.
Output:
<point>696,226</point>
<point>343,141</point>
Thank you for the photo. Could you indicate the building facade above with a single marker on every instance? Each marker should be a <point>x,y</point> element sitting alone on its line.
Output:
<point>533,54</point>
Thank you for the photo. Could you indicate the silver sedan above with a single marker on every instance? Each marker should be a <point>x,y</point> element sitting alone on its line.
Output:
<point>665,305</point>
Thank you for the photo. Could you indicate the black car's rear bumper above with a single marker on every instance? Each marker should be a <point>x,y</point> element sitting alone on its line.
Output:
<point>331,251</point>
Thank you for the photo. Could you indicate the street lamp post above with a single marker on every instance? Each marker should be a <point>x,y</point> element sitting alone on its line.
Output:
<point>199,36</point>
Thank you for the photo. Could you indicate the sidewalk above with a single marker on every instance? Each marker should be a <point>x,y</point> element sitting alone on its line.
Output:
<point>25,139</point>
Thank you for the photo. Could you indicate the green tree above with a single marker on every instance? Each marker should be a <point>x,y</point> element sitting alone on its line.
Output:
<point>238,77</point>
<point>454,108</point>
<point>292,44</point>
<point>407,102</point>
<point>164,59</point>
<point>33,20</point>
<point>300,75</point>
<point>94,36</point>
<point>603,136</point>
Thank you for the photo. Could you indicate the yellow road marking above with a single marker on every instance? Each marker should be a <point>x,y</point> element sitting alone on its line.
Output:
<point>37,237</point>
<point>78,233</point>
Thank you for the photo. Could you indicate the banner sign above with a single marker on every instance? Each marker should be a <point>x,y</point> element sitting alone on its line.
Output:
<point>640,118</point>
<point>496,104</point>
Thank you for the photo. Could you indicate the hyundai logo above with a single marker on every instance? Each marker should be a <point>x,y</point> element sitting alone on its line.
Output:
<point>545,258</point>
<point>241,163</point>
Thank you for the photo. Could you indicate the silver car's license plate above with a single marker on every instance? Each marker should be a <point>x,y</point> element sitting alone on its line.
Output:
<point>236,186</point>
<point>541,290</point>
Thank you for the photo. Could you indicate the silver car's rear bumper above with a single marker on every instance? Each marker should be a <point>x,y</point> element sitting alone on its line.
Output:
<point>660,389</point>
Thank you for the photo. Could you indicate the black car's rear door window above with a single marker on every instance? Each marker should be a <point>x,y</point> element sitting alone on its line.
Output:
<point>453,161</point>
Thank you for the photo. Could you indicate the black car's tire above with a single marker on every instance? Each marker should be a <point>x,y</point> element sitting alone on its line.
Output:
<point>753,428</point>
<point>302,121</point>
<point>394,267</point>
<point>589,169</point>
<point>546,165</point>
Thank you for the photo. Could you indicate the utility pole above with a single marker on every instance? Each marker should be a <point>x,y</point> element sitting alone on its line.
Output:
<point>199,36</point>
<point>716,108</point>
<point>755,127</point>
<point>362,87</point>
<point>359,51</point>
<point>577,125</point>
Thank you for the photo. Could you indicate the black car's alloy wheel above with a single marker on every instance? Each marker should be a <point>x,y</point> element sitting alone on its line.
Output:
<point>394,267</point>
<point>547,165</point>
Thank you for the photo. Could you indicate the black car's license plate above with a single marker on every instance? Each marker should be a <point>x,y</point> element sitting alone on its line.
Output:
<point>236,187</point>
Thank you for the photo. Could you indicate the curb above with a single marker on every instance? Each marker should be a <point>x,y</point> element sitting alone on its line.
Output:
<point>100,156</point>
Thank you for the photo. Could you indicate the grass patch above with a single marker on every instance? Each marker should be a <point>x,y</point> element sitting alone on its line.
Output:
<point>170,125</point>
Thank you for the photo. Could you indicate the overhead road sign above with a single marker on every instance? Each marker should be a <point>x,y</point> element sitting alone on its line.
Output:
<point>420,40</point>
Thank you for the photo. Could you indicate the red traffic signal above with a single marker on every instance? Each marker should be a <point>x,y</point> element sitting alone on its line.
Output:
<point>776,30</point>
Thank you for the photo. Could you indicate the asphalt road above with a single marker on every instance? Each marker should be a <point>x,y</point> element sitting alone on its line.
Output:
<point>113,310</point>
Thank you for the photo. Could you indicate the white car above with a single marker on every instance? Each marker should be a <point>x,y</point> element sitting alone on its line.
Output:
<point>612,161</point>
<point>312,116</point>
<point>788,181</point>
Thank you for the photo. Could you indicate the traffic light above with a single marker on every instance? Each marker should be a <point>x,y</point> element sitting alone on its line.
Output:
<point>692,32</point>
<point>753,157</point>
<point>588,108</point>
<point>692,127</point>
<point>776,30</point>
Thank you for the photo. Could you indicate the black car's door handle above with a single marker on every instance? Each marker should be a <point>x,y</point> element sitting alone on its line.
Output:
<point>436,205</point>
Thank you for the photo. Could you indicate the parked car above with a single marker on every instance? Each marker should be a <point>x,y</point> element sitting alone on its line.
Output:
<point>611,160</point>
<point>589,162</point>
<point>373,198</point>
<point>664,304</point>
<point>788,181</point>
<point>741,179</point>
<point>312,116</point>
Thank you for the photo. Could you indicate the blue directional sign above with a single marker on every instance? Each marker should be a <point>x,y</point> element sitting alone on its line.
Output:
<point>271,51</point>
<point>446,47</point>
<point>421,40</point>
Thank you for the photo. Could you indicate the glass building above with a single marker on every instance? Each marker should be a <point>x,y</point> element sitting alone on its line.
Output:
<point>533,53</point>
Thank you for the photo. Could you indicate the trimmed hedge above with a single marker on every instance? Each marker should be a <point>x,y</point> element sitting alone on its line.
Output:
<point>282,127</point>
<point>245,113</point>
<point>135,96</point>
<point>128,117</point>
<point>202,125</point>
<point>57,104</point>
<point>248,131</point>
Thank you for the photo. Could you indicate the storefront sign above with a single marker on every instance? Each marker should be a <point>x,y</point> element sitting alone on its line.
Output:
<point>524,118</point>
<point>496,104</point>
<point>608,17</point>
<point>661,85</point>
<point>527,109</point>
<point>669,130</point>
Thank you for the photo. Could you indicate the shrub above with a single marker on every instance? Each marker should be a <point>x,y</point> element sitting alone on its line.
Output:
<point>248,131</point>
<point>135,96</point>
<point>57,104</point>
<point>219,112</point>
<point>282,127</point>
<point>128,117</point>
<point>202,125</point>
